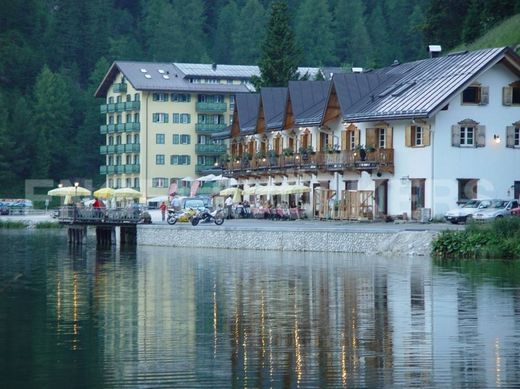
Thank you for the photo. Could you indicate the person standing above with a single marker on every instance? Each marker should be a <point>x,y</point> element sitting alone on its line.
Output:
<point>163,207</point>
<point>229,206</point>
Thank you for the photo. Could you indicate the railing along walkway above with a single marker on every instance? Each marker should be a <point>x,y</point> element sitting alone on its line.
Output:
<point>98,216</point>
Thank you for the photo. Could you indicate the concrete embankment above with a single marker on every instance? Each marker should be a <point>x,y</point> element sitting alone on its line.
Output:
<point>289,238</point>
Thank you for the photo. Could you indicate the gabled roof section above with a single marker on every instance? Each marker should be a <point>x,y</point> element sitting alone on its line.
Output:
<point>416,89</point>
<point>308,101</point>
<point>160,77</point>
<point>274,102</point>
<point>246,106</point>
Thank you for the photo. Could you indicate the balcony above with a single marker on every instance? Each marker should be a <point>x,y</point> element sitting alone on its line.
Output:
<point>107,108</point>
<point>107,149</point>
<point>205,128</point>
<point>132,105</point>
<point>381,160</point>
<point>120,107</point>
<point>104,169</point>
<point>132,168</point>
<point>120,127</point>
<point>207,169</point>
<point>216,149</point>
<point>119,88</point>
<point>134,126</point>
<point>107,129</point>
<point>211,107</point>
<point>132,148</point>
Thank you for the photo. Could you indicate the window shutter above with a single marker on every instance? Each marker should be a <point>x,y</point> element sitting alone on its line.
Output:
<point>481,136</point>
<point>507,95</point>
<point>166,118</point>
<point>426,136</point>
<point>484,95</point>
<point>510,136</point>
<point>389,141</point>
<point>356,137</point>
<point>189,118</point>
<point>408,136</point>
<point>371,137</point>
<point>318,142</point>
<point>344,140</point>
<point>455,136</point>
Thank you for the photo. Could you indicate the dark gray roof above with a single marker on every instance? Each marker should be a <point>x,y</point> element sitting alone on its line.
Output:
<point>247,106</point>
<point>308,101</point>
<point>217,71</point>
<point>412,90</point>
<point>160,77</point>
<point>274,102</point>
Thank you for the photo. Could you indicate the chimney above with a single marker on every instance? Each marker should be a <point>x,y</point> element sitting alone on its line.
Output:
<point>435,50</point>
<point>214,66</point>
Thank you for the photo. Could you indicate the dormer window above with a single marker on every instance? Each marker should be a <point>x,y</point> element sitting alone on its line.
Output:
<point>475,94</point>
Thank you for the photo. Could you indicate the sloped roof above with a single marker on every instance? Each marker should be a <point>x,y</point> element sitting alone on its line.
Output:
<point>274,100</point>
<point>217,70</point>
<point>161,77</point>
<point>247,106</point>
<point>308,99</point>
<point>416,89</point>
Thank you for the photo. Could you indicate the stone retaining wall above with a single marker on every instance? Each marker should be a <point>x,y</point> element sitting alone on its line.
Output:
<point>386,243</point>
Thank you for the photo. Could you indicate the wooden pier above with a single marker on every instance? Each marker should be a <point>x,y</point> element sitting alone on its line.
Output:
<point>113,226</point>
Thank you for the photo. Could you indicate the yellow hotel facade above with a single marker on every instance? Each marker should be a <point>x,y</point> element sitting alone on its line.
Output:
<point>159,119</point>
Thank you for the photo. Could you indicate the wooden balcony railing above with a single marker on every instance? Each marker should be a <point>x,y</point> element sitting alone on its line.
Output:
<point>380,159</point>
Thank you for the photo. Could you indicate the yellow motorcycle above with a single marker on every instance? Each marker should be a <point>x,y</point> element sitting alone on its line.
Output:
<point>182,216</point>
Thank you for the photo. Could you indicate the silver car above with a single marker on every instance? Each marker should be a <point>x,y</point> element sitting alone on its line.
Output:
<point>464,213</point>
<point>497,209</point>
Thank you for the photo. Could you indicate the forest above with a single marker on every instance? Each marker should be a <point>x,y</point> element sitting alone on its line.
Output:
<point>54,53</point>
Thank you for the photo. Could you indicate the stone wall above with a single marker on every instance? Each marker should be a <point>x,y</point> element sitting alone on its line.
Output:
<point>386,243</point>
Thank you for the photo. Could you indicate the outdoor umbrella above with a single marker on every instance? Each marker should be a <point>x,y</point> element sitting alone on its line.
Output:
<point>272,190</point>
<point>188,178</point>
<point>69,191</point>
<point>249,191</point>
<point>209,177</point>
<point>127,193</point>
<point>104,193</point>
<point>294,189</point>
<point>230,191</point>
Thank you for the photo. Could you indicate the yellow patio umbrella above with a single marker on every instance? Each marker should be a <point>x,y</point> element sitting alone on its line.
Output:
<point>127,193</point>
<point>69,191</point>
<point>272,190</point>
<point>104,193</point>
<point>249,191</point>
<point>230,191</point>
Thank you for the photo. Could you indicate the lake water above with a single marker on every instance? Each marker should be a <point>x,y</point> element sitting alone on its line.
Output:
<point>153,317</point>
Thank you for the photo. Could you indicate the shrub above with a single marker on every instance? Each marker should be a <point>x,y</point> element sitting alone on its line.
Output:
<point>12,224</point>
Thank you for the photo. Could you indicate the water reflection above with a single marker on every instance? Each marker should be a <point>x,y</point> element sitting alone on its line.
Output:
<point>159,317</point>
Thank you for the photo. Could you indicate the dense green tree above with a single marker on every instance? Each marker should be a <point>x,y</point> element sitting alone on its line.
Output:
<point>280,55</point>
<point>6,145</point>
<point>52,123</point>
<point>444,19</point>
<point>161,30</point>
<point>472,23</point>
<point>227,22</point>
<point>21,130</point>
<point>377,28</point>
<point>249,33</point>
<point>314,33</point>
<point>190,22</point>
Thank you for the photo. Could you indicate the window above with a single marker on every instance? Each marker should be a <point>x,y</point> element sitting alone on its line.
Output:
<point>118,160</point>
<point>128,182</point>
<point>231,103</point>
<point>159,139</point>
<point>467,188</point>
<point>136,118</point>
<point>475,94</point>
<point>184,118</point>
<point>210,98</point>
<point>176,139</point>
<point>119,99</point>
<point>160,118</point>
<point>119,119</point>
<point>118,140</point>
<point>185,139</point>
<point>128,159</point>
<point>181,97</point>
<point>111,140</point>
<point>159,159</point>
<point>511,94</point>
<point>417,135</point>
<point>379,138</point>
<point>129,118</point>
<point>160,96</point>
<point>136,159</point>
<point>111,119</point>
<point>159,182</point>
<point>468,133</point>
<point>110,100</point>
<point>513,135</point>
<point>118,183</point>
<point>180,160</point>
<point>136,97</point>
<point>128,98</point>
<point>136,138</point>
<point>128,139</point>
<point>136,182</point>
<point>110,182</point>
<point>110,160</point>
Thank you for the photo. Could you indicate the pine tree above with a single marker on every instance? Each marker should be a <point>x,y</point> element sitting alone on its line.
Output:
<point>314,33</point>
<point>280,55</point>
<point>191,31</point>
<point>161,31</point>
<point>226,24</point>
<point>472,23</point>
<point>247,36</point>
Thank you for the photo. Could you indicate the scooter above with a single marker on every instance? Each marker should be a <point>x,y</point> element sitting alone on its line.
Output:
<point>216,216</point>
<point>182,216</point>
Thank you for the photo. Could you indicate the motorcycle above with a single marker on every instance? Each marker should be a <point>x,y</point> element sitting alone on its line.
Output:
<point>182,216</point>
<point>216,216</point>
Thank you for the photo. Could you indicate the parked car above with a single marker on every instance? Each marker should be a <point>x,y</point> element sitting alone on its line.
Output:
<point>515,211</point>
<point>4,210</point>
<point>497,209</point>
<point>465,212</point>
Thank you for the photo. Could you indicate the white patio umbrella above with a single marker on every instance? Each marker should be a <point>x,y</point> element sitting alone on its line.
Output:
<point>209,177</point>
<point>188,179</point>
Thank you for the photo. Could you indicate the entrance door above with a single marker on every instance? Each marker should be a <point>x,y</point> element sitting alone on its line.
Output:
<point>381,199</point>
<point>417,197</point>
